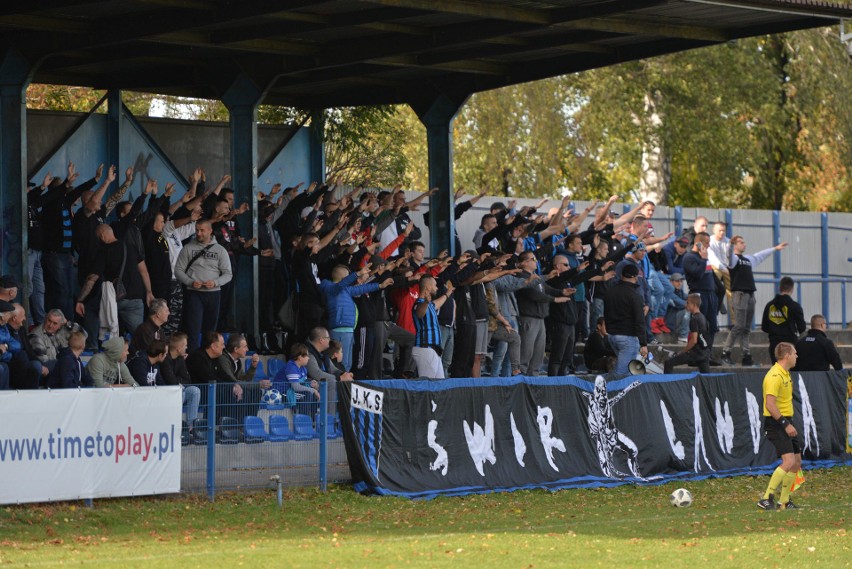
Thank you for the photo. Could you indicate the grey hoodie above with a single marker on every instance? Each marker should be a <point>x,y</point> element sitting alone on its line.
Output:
<point>213,265</point>
<point>106,367</point>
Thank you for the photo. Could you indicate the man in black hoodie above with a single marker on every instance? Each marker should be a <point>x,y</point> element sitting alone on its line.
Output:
<point>625,319</point>
<point>783,317</point>
<point>816,352</point>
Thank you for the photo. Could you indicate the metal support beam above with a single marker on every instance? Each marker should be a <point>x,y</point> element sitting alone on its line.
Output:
<point>437,115</point>
<point>114,113</point>
<point>241,99</point>
<point>15,75</point>
<point>317,145</point>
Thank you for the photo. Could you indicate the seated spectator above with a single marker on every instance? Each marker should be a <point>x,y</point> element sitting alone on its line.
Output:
<point>69,371</point>
<point>294,377</point>
<point>145,365</point>
<point>25,370</point>
<point>151,328</point>
<point>205,366</point>
<point>6,312</point>
<point>320,367</point>
<point>335,355</point>
<point>677,318</point>
<point>231,362</point>
<point>816,350</point>
<point>174,372</point>
<point>598,353</point>
<point>697,349</point>
<point>108,368</point>
<point>51,336</point>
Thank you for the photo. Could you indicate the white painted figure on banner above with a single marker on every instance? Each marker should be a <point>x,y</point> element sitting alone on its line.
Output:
<point>607,437</point>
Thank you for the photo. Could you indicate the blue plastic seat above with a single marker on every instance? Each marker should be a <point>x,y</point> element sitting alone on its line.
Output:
<point>229,431</point>
<point>331,426</point>
<point>199,432</point>
<point>303,428</point>
<point>273,366</point>
<point>279,429</point>
<point>255,432</point>
<point>259,373</point>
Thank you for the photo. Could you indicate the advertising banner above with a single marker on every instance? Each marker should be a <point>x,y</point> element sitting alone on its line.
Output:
<point>456,436</point>
<point>69,444</point>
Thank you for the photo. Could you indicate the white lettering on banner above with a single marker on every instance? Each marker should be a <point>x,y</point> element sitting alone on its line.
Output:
<point>545,426</point>
<point>808,420</point>
<point>442,460</point>
<point>91,443</point>
<point>368,400</point>
<point>753,419</point>
<point>724,427</point>
<point>700,448</point>
<point>480,443</point>
<point>520,445</point>
<point>677,446</point>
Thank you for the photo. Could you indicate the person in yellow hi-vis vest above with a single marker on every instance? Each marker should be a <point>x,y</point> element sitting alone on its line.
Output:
<point>779,429</point>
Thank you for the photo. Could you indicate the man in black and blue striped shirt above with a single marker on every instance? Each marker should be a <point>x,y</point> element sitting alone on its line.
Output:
<point>427,337</point>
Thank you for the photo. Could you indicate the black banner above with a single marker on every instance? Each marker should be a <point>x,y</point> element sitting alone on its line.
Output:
<point>455,436</point>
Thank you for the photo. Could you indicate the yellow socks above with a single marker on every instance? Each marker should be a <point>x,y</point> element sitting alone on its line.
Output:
<point>774,482</point>
<point>787,487</point>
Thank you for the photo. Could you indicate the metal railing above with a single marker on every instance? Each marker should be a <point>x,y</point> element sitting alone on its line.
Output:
<point>232,446</point>
<point>825,282</point>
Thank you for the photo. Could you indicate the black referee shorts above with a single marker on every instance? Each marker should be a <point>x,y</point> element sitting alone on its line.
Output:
<point>783,443</point>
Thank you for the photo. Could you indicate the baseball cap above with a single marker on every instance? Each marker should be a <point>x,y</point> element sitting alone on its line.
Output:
<point>630,271</point>
<point>676,277</point>
<point>8,281</point>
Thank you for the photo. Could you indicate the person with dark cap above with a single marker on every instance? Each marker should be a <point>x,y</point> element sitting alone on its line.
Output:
<point>677,318</point>
<point>624,313</point>
<point>9,288</point>
<point>673,253</point>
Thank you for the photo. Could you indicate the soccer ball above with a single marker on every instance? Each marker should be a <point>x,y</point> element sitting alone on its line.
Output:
<point>681,498</point>
<point>271,397</point>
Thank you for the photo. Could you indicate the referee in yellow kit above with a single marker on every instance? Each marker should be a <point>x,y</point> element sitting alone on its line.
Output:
<point>777,422</point>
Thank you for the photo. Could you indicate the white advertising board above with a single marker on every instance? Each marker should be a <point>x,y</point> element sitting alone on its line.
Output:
<point>70,444</point>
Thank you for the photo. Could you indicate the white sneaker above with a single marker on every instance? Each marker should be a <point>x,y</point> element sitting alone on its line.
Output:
<point>682,340</point>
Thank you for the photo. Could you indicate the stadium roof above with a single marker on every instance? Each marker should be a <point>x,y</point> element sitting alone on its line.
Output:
<point>354,52</point>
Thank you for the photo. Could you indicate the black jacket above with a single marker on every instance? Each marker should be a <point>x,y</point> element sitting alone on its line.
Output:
<point>783,319</point>
<point>534,300</point>
<point>817,353</point>
<point>623,311</point>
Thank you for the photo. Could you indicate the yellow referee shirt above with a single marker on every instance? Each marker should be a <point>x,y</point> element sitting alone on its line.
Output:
<point>778,383</point>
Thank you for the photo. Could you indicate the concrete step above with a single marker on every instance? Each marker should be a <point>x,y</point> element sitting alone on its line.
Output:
<point>758,337</point>
<point>759,353</point>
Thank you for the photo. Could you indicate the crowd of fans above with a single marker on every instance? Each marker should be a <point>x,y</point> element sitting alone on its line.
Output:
<point>155,280</point>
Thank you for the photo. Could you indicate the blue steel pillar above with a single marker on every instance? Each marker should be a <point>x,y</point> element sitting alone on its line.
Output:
<point>826,308</point>
<point>438,117</point>
<point>241,99</point>
<point>678,212</point>
<point>776,240</point>
<point>15,75</point>
<point>317,146</point>
<point>114,133</point>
